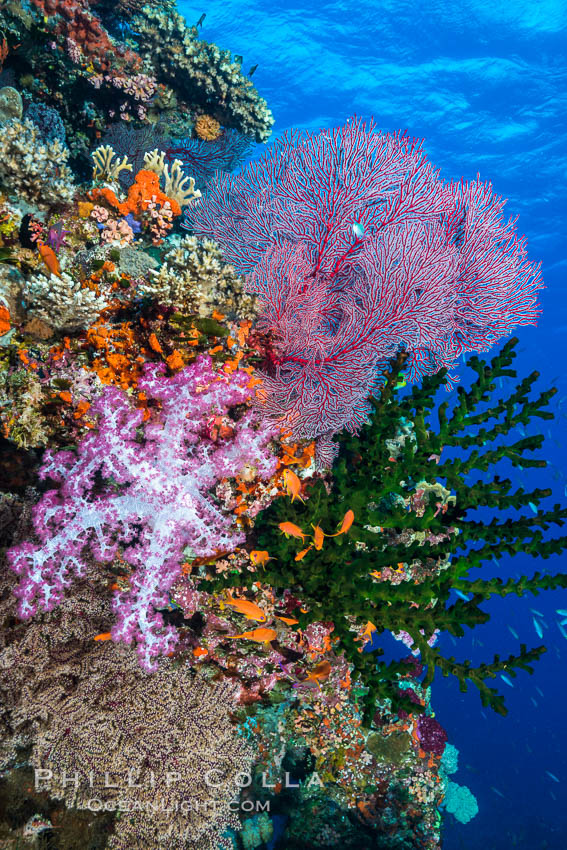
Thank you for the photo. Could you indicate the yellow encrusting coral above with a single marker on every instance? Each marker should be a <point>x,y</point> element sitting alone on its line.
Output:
<point>207,128</point>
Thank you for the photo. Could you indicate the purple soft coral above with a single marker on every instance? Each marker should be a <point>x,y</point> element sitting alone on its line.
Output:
<point>431,734</point>
<point>143,488</point>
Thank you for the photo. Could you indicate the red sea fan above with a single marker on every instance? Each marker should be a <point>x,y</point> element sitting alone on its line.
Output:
<point>357,250</point>
<point>201,158</point>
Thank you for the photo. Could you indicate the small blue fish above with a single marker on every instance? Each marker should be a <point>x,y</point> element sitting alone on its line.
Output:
<point>534,702</point>
<point>507,680</point>
<point>539,690</point>
<point>461,594</point>
<point>513,632</point>
<point>536,612</point>
<point>496,561</point>
<point>533,507</point>
<point>562,612</point>
<point>496,791</point>
<point>553,776</point>
<point>564,621</point>
<point>358,229</point>
<point>537,627</point>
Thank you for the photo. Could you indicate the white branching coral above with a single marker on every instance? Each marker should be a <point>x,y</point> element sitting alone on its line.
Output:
<point>62,301</point>
<point>175,179</point>
<point>154,161</point>
<point>195,279</point>
<point>34,170</point>
<point>175,187</point>
<point>107,163</point>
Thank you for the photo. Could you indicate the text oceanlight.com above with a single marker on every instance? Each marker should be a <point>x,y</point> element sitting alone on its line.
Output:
<point>185,807</point>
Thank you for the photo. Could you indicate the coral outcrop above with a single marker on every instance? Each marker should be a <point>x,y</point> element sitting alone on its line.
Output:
<point>32,169</point>
<point>194,278</point>
<point>202,72</point>
<point>199,586</point>
<point>62,302</point>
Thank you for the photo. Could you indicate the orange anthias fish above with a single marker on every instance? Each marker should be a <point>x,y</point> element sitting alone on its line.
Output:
<point>103,636</point>
<point>260,558</point>
<point>257,635</point>
<point>368,633</point>
<point>199,651</point>
<point>290,529</point>
<point>292,484</point>
<point>348,520</point>
<point>318,537</point>
<point>4,320</point>
<point>369,629</point>
<point>289,621</point>
<point>250,610</point>
<point>49,257</point>
<point>320,672</point>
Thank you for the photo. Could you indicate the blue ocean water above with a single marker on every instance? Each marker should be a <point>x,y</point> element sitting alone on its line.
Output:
<point>485,84</point>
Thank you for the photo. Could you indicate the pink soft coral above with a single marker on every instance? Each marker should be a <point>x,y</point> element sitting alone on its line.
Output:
<point>144,489</point>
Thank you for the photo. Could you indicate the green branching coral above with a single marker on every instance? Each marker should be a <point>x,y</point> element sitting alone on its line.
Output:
<point>413,541</point>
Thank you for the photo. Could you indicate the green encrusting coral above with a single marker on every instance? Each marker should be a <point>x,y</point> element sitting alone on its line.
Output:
<point>414,533</point>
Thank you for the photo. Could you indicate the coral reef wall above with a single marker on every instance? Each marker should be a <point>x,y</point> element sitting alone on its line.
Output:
<point>226,477</point>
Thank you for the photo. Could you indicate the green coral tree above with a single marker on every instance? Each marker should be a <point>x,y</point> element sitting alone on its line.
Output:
<point>383,475</point>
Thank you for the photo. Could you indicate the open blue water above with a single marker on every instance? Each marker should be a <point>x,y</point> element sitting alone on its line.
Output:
<point>485,84</point>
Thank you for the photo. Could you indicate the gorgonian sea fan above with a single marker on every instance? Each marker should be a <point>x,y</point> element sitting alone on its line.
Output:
<point>358,250</point>
<point>144,489</point>
<point>200,158</point>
